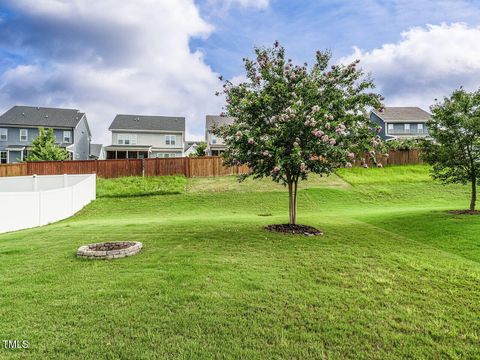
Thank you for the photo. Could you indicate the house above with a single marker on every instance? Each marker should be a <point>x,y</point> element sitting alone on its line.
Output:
<point>20,125</point>
<point>215,145</point>
<point>97,152</point>
<point>139,137</point>
<point>401,122</point>
<point>190,147</point>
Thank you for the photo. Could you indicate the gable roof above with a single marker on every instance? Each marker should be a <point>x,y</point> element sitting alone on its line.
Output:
<point>401,114</point>
<point>96,149</point>
<point>189,144</point>
<point>142,122</point>
<point>41,116</point>
<point>216,120</point>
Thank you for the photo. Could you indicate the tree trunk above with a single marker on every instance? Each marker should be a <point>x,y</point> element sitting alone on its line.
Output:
<point>291,220</point>
<point>295,187</point>
<point>292,201</point>
<point>474,194</point>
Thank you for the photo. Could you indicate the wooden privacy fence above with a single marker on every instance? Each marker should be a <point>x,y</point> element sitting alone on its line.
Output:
<point>13,170</point>
<point>189,167</point>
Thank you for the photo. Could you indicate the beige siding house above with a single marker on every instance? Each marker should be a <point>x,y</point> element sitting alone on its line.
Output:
<point>139,137</point>
<point>215,145</point>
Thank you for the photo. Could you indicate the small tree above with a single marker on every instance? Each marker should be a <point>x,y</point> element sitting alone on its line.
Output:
<point>201,150</point>
<point>293,120</point>
<point>44,148</point>
<point>455,152</point>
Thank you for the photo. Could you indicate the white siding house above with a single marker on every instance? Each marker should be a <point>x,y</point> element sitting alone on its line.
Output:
<point>139,136</point>
<point>215,144</point>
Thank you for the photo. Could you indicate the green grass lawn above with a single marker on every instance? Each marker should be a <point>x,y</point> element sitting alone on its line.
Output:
<point>393,277</point>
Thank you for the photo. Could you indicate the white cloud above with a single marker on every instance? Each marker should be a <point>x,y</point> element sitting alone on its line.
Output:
<point>260,4</point>
<point>108,57</point>
<point>226,4</point>
<point>427,63</point>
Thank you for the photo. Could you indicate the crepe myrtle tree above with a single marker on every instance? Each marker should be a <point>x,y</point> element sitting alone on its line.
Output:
<point>454,152</point>
<point>292,120</point>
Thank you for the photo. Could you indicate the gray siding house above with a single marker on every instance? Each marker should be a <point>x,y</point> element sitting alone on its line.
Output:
<point>97,152</point>
<point>401,122</point>
<point>215,145</point>
<point>139,137</point>
<point>19,127</point>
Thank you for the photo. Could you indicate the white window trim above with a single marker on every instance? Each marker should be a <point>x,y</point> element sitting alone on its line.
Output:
<point>26,134</point>
<point>6,157</point>
<point>69,136</point>
<point>406,127</point>
<point>390,128</point>
<point>4,131</point>
<point>169,138</point>
<point>131,138</point>
<point>166,155</point>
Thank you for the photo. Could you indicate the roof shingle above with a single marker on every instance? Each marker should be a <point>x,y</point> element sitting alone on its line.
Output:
<point>403,114</point>
<point>41,116</point>
<point>216,120</point>
<point>142,122</point>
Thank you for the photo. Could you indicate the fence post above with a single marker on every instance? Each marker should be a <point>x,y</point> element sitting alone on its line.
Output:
<point>185,166</point>
<point>35,183</point>
<point>65,180</point>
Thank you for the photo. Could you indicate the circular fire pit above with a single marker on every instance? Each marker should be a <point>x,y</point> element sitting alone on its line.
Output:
<point>109,250</point>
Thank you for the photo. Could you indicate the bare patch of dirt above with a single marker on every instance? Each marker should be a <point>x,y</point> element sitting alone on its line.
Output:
<point>464,212</point>
<point>294,229</point>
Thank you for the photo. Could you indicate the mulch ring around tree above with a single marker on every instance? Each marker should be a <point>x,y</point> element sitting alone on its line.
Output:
<point>294,229</point>
<point>464,212</point>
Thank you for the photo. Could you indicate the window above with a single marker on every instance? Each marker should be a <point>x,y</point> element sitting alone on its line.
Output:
<point>165,155</point>
<point>214,140</point>
<point>406,127</point>
<point>127,139</point>
<point>420,128</point>
<point>23,135</point>
<point>3,157</point>
<point>390,127</point>
<point>170,139</point>
<point>3,134</point>
<point>67,136</point>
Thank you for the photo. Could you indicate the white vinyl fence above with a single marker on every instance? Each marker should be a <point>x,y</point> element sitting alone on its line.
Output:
<point>30,201</point>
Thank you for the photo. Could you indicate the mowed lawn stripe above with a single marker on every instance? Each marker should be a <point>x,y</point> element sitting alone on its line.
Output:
<point>210,282</point>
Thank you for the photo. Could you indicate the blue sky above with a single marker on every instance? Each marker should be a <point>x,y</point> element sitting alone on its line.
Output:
<point>163,57</point>
<point>303,26</point>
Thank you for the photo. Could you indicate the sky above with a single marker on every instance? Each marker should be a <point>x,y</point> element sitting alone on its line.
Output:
<point>164,57</point>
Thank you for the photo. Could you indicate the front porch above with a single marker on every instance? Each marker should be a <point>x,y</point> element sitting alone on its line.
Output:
<point>128,152</point>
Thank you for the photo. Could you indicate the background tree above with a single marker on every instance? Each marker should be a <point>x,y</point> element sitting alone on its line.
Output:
<point>201,150</point>
<point>294,120</point>
<point>455,152</point>
<point>44,148</point>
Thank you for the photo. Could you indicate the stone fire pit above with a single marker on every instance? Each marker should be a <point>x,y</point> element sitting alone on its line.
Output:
<point>109,250</point>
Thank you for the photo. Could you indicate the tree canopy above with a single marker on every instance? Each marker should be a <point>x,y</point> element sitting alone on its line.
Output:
<point>454,152</point>
<point>292,120</point>
<point>44,148</point>
<point>201,150</point>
